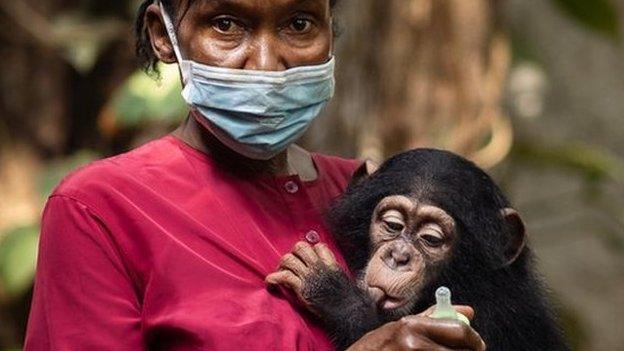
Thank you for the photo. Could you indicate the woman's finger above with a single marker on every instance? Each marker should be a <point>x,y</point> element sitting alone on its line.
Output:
<point>465,310</point>
<point>445,332</point>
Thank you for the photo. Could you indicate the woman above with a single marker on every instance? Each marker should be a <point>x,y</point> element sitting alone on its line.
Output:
<point>167,246</point>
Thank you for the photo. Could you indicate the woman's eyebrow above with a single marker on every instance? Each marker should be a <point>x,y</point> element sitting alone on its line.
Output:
<point>242,3</point>
<point>251,9</point>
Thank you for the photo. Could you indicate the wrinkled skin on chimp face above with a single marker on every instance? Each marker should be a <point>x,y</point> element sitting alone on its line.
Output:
<point>408,239</point>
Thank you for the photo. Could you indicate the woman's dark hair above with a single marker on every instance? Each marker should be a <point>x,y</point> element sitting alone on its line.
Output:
<point>145,54</point>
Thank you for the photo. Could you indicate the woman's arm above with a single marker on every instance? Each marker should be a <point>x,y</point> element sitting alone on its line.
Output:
<point>84,298</point>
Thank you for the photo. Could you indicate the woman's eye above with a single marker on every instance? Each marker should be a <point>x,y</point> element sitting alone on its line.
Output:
<point>432,240</point>
<point>225,25</point>
<point>301,25</point>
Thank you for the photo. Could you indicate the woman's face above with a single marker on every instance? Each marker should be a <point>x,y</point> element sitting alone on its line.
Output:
<point>268,35</point>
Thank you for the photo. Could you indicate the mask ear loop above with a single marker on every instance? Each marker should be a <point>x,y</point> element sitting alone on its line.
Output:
<point>184,67</point>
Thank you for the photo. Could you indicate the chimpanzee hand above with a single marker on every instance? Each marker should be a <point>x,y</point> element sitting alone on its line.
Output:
<point>346,311</point>
<point>310,272</point>
<point>419,332</point>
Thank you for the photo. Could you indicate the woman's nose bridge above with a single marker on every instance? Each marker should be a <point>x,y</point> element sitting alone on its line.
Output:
<point>264,53</point>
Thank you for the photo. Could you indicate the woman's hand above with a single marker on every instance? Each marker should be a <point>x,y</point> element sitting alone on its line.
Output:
<point>420,332</point>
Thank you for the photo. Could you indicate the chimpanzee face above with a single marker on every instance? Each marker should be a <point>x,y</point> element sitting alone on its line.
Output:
<point>425,217</point>
<point>408,237</point>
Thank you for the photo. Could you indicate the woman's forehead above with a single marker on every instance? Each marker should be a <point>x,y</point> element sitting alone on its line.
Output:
<point>256,3</point>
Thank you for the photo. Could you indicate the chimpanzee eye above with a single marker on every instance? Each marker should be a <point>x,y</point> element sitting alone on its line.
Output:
<point>432,240</point>
<point>393,221</point>
<point>432,235</point>
<point>394,226</point>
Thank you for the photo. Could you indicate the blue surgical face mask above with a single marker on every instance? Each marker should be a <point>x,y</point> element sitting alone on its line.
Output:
<point>258,114</point>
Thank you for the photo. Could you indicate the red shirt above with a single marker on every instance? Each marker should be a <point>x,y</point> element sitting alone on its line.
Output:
<point>159,248</point>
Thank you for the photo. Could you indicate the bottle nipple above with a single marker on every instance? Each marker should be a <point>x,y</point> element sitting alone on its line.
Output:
<point>444,308</point>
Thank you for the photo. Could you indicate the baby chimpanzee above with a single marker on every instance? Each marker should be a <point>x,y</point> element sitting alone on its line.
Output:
<point>425,218</point>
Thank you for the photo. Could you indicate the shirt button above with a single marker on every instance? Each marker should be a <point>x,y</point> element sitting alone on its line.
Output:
<point>313,237</point>
<point>291,187</point>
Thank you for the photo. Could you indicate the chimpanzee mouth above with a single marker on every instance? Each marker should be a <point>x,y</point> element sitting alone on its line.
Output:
<point>392,303</point>
<point>384,301</point>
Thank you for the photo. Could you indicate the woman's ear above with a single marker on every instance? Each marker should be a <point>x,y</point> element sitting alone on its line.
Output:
<point>362,173</point>
<point>517,235</point>
<point>161,44</point>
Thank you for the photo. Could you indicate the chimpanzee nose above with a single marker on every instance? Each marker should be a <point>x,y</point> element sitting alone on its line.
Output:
<point>398,257</point>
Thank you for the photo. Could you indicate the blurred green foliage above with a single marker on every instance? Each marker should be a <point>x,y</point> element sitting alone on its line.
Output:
<point>598,15</point>
<point>593,163</point>
<point>143,99</point>
<point>18,253</point>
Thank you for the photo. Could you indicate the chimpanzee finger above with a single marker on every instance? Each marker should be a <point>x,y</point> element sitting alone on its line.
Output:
<point>325,254</point>
<point>306,253</point>
<point>449,333</point>
<point>285,278</point>
<point>294,264</point>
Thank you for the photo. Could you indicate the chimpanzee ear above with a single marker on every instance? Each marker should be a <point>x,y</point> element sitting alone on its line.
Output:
<point>517,235</point>
<point>367,168</point>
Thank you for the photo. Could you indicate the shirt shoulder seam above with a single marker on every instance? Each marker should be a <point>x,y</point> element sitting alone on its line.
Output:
<point>103,230</point>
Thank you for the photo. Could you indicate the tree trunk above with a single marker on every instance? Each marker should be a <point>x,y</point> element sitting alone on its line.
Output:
<point>415,73</point>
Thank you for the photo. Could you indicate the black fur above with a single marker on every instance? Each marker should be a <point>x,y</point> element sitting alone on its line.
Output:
<point>512,311</point>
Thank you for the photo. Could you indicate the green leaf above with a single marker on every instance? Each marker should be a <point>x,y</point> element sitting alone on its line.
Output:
<point>598,15</point>
<point>18,255</point>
